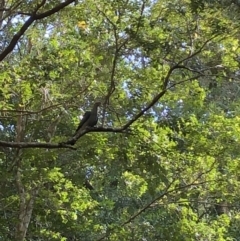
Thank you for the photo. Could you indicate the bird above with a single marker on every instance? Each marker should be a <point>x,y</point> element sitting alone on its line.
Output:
<point>90,118</point>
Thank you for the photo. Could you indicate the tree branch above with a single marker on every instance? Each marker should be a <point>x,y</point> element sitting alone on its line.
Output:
<point>54,10</point>
<point>34,145</point>
<point>163,194</point>
<point>28,23</point>
<point>123,129</point>
<point>74,139</point>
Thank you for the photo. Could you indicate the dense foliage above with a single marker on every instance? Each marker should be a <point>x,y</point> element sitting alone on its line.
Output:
<point>163,162</point>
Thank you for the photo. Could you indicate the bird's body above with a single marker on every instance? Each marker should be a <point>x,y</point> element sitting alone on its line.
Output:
<point>84,119</point>
<point>90,118</point>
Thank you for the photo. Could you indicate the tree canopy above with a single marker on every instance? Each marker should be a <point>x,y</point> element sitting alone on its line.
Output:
<point>163,162</point>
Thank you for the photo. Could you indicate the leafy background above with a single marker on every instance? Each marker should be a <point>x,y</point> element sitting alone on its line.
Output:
<point>163,163</point>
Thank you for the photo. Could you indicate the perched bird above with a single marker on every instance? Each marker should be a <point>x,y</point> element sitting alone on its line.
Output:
<point>90,118</point>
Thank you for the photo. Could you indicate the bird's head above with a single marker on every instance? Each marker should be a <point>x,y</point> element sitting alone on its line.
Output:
<point>98,103</point>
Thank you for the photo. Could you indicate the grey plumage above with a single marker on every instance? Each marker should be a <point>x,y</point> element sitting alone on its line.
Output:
<point>90,118</point>
<point>84,119</point>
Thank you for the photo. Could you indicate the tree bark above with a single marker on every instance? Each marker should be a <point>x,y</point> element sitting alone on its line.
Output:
<point>25,210</point>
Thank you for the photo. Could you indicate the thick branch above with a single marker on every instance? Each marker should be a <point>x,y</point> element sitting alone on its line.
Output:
<point>28,23</point>
<point>74,139</point>
<point>34,145</point>
<point>54,10</point>
<point>59,145</point>
<point>16,37</point>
